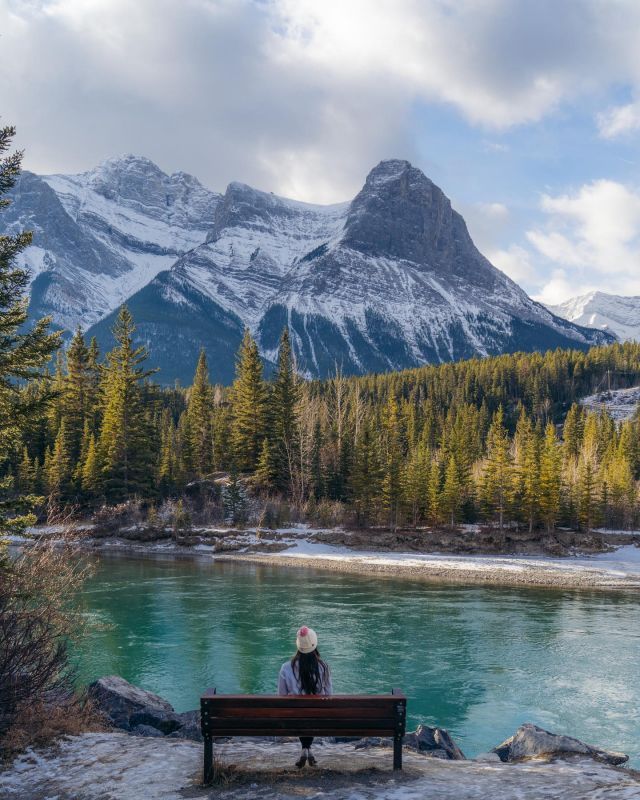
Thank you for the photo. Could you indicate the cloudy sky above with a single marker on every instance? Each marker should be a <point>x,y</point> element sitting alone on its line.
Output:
<point>526,112</point>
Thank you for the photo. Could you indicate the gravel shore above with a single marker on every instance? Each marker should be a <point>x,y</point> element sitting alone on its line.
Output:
<point>569,573</point>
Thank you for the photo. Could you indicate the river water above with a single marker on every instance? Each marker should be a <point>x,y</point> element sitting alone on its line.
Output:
<point>478,661</point>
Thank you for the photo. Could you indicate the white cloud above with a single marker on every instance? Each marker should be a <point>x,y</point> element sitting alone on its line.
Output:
<point>619,120</point>
<point>500,62</point>
<point>560,288</point>
<point>515,261</point>
<point>298,96</point>
<point>595,232</point>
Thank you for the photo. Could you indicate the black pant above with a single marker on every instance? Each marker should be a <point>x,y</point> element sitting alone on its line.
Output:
<point>306,742</point>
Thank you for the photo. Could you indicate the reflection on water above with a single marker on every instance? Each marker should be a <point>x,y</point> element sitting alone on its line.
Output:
<point>478,661</point>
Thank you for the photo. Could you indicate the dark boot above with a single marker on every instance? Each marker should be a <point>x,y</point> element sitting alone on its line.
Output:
<point>303,759</point>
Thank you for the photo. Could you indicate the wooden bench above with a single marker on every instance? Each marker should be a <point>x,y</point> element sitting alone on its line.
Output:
<point>304,715</point>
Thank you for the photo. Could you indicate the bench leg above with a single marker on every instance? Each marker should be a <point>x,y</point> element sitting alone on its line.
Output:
<point>208,760</point>
<point>397,751</point>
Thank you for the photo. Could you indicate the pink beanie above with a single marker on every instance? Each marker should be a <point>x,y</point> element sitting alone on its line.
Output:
<point>306,640</point>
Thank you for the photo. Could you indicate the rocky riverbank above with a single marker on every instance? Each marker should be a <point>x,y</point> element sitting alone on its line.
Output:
<point>162,765</point>
<point>608,560</point>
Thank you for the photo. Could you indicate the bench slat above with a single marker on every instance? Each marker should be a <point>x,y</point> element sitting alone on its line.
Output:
<point>230,724</point>
<point>306,713</point>
<point>305,730</point>
<point>312,701</point>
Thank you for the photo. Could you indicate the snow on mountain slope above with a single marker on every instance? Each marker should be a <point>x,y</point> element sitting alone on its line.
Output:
<point>609,312</point>
<point>388,281</point>
<point>102,235</point>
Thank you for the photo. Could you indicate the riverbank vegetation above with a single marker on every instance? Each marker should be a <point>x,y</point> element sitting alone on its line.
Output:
<point>37,587</point>
<point>499,440</point>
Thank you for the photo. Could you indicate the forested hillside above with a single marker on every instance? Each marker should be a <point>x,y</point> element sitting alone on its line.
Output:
<point>496,440</point>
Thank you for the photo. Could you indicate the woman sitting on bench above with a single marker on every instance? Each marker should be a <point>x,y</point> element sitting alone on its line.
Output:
<point>306,673</point>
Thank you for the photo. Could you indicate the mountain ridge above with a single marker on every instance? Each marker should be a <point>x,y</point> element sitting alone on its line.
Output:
<point>617,314</point>
<point>388,280</point>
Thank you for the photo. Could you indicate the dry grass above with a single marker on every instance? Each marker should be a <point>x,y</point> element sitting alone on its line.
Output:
<point>40,725</point>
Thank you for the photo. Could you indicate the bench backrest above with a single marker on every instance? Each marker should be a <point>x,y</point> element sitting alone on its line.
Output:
<point>304,715</point>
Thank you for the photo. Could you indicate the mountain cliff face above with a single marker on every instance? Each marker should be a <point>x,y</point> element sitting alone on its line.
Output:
<point>617,315</point>
<point>102,235</point>
<point>387,281</point>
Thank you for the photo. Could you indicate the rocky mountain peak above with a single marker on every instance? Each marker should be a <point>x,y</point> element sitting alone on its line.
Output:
<point>389,280</point>
<point>402,213</point>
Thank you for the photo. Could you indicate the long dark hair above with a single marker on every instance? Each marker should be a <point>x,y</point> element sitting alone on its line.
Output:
<point>311,670</point>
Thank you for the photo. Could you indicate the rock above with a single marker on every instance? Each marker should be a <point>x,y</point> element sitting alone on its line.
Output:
<point>118,699</point>
<point>490,757</point>
<point>343,739</point>
<point>370,741</point>
<point>164,721</point>
<point>189,726</point>
<point>146,730</point>
<point>435,742</point>
<point>530,741</point>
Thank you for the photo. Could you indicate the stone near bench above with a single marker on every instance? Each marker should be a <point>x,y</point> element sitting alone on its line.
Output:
<point>118,700</point>
<point>164,721</point>
<point>146,730</point>
<point>435,742</point>
<point>432,742</point>
<point>530,741</point>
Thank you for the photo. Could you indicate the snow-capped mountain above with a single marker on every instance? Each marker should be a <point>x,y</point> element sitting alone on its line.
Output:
<point>100,236</point>
<point>608,312</point>
<point>389,280</point>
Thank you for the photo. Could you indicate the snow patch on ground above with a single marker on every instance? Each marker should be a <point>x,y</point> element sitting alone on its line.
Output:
<point>621,404</point>
<point>114,766</point>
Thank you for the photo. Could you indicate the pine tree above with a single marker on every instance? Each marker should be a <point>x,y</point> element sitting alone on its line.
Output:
<point>234,499</point>
<point>264,474</point>
<point>392,462</point>
<point>59,471</point>
<point>125,444</point>
<point>283,403</point>
<point>434,490</point>
<point>415,482</point>
<point>199,418</point>
<point>497,478</point>
<point>25,483</point>
<point>94,379</point>
<point>366,483</point>
<point>23,353</point>
<point>451,498</point>
<point>573,431</point>
<point>91,477</point>
<point>519,449</point>
<point>249,406</point>
<point>550,478</point>
<point>75,397</point>
<point>589,497</point>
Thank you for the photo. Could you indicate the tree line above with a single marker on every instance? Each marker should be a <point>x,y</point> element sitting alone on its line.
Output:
<point>498,440</point>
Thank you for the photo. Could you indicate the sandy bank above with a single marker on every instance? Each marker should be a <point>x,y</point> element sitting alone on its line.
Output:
<point>616,570</point>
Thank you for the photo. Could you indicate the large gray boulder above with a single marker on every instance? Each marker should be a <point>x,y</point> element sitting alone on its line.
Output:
<point>530,741</point>
<point>164,721</point>
<point>435,742</point>
<point>189,726</point>
<point>118,700</point>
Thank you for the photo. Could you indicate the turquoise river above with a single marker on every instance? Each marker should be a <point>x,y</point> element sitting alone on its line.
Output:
<point>478,661</point>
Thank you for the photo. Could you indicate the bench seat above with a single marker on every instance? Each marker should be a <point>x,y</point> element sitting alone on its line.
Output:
<point>302,715</point>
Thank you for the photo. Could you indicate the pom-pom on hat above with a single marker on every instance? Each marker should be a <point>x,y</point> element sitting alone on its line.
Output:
<point>306,640</point>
